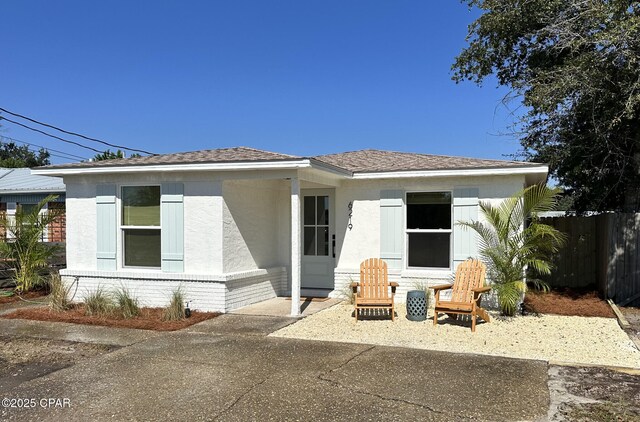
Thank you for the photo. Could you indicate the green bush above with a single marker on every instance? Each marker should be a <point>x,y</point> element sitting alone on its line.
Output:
<point>126,304</point>
<point>58,294</point>
<point>25,248</point>
<point>98,303</point>
<point>175,310</point>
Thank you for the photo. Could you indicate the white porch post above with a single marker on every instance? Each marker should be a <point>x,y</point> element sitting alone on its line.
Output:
<point>296,246</point>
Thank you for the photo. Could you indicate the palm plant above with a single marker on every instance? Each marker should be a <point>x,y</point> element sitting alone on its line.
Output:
<point>24,246</point>
<point>516,247</point>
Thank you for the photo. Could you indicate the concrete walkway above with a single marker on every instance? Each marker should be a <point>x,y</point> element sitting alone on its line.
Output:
<point>228,369</point>
<point>281,307</point>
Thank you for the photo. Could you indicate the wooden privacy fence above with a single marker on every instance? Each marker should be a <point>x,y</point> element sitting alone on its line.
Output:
<point>601,250</point>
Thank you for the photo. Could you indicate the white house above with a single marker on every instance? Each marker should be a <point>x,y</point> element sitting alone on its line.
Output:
<point>236,226</point>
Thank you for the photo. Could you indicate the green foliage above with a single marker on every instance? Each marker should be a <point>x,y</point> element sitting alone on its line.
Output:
<point>58,294</point>
<point>14,156</point>
<point>512,239</point>
<point>127,305</point>
<point>24,247</point>
<point>175,310</point>
<point>575,66</point>
<point>110,155</point>
<point>99,303</point>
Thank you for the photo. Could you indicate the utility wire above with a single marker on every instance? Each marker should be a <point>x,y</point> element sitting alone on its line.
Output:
<point>74,134</point>
<point>50,135</point>
<point>6,138</point>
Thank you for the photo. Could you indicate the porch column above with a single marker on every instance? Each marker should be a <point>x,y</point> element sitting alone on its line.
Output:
<point>295,246</point>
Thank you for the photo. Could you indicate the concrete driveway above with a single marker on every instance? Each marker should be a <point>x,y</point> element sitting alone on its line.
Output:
<point>228,369</point>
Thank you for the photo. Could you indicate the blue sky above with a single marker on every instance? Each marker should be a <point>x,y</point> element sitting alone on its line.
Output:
<point>300,77</point>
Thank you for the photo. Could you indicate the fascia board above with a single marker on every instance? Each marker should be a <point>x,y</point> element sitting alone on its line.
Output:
<point>452,173</point>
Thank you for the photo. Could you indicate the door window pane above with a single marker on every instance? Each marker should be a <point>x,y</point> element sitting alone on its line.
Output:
<point>141,205</point>
<point>323,210</point>
<point>309,240</point>
<point>429,250</point>
<point>309,210</point>
<point>141,248</point>
<point>429,210</point>
<point>323,241</point>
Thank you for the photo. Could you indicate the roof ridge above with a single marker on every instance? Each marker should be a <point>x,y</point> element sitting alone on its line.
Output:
<point>429,155</point>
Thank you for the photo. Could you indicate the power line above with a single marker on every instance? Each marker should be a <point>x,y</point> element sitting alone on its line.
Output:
<point>74,133</point>
<point>73,156</point>
<point>50,135</point>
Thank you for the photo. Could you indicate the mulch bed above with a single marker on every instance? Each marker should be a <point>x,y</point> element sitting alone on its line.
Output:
<point>149,319</point>
<point>26,296</point>
<point>568,302</point>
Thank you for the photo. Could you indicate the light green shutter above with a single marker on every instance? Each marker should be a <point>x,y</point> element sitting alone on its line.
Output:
<point>465,208</point>
<point>106,227</point>
<point>172,210</point>
<point>391,227</point>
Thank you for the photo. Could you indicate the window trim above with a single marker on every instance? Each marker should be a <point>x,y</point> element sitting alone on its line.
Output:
<point>122,228</point>
<point>407,231</point>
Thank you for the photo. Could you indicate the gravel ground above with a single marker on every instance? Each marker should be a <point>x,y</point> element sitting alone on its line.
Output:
<point>559,339</point>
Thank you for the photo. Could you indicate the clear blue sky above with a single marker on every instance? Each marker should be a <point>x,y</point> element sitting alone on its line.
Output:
<point>300,77</point>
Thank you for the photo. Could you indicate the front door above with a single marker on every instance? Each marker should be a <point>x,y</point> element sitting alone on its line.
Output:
<point>317,239</point>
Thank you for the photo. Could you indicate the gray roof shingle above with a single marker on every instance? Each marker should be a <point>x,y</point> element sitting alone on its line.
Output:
<point>222,155</point>
<point>373,160</point>
<point>368,160</point>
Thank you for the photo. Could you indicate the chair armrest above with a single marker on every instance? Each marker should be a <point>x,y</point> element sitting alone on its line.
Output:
<point>441,287</point>
<point>354,287</point>
<point>482,289</point>
<point>394,286</point>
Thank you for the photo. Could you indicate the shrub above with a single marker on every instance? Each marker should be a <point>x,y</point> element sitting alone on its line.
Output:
<point>512,240</point>
<point>127,305</point>
<point>346,293</point>
<point>59,294</point>
<point>25,247</point>
<point>98,303</point>
<point>175,310</point>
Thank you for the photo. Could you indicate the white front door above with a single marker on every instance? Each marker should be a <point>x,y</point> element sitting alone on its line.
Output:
<point>318,239</point>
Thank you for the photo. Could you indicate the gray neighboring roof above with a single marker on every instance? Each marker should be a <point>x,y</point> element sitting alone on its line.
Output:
<point>21,180</point>
<point>222,155</point>
<point>374,160</point>
<point>363,161</point>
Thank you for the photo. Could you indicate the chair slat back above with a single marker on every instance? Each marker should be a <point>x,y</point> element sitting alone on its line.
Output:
<point>469,275</point>
<point>374,279</point>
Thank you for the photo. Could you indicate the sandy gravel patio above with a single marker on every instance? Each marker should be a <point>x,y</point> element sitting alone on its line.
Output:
<point>558,339</point>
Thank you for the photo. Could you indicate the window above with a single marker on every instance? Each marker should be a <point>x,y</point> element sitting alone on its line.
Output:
<point>316,225</point>
<point>141,226</point>
<point>429,229</point>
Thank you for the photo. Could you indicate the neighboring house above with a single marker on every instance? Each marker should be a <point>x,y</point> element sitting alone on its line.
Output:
<point>236,226</point>
<point>21,189</point>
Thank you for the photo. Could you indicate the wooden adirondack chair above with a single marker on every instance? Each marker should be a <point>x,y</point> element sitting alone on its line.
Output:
<point>372,292</point>
<point>468,288</point>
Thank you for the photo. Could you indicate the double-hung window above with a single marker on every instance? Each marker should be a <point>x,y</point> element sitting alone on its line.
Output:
<point>141,226</point>
<point>428,229</point>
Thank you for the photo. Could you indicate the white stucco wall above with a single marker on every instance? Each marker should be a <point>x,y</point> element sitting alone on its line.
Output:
<point>251,224</point>
<point>203,207</point>
<point>363,240</point>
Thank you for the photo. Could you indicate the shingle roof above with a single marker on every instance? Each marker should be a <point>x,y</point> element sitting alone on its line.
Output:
<point>373,160</point>
<point>21,180</point>
<point>222,155</point>
<point>368,160</point>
